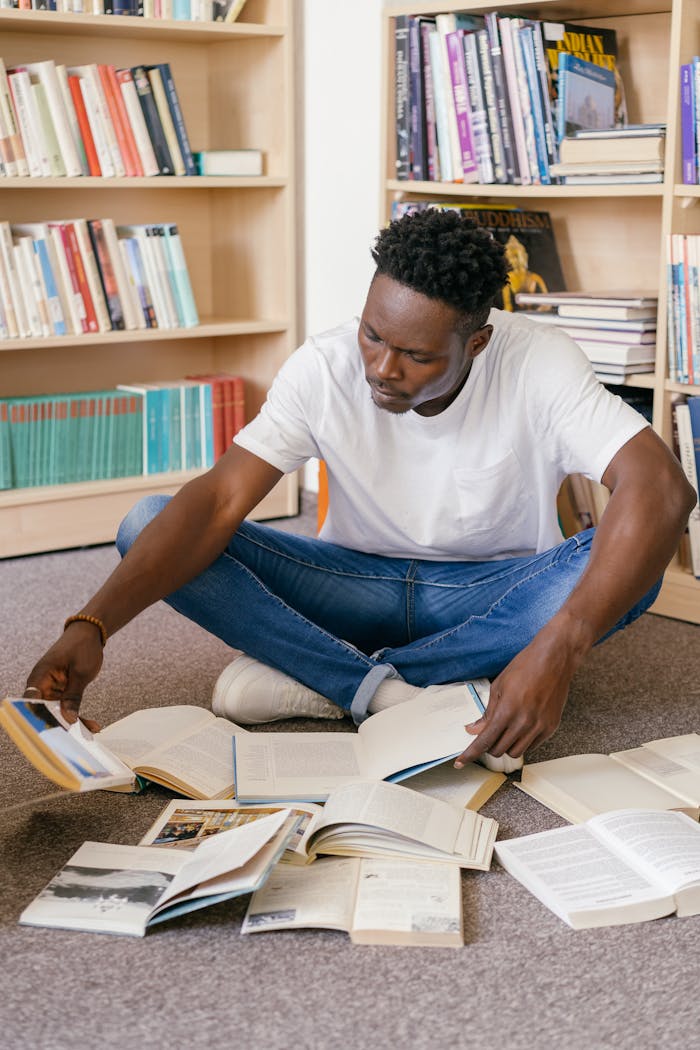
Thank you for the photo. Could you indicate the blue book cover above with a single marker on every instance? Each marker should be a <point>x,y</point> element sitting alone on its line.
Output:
<point>689,166</point>
<point>586,96</point>
<point>525,39</point>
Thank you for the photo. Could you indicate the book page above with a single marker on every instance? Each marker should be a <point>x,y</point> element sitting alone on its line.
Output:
<point>665,846</point>
<point>418,731</point>
<point>571,870</point>
<point>467,788</point>
<point>416,898</point>
<point>294,765</point>
<point>391,808</point>
<point>664,770</point>
<point>320,895</point>
<point>580,786</point>
<point>203,760</point>
<point>132,737</point>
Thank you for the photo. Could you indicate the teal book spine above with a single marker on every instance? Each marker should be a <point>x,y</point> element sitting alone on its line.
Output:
<point>184,298</point>
<point>207,425</point>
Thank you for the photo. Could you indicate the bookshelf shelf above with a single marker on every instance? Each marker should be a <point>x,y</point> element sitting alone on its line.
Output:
<point>236,90</point>
<point>607,235</point>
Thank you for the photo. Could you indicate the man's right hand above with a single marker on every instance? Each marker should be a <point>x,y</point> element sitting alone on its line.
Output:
<point>64,671</point>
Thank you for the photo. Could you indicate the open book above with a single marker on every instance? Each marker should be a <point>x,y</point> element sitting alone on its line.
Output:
<point>106,888</point>
<point>619,867</point>
<point>662,774</point>
<point>391,745</point>
<point>375,901</point>
<point>367,818</point>
<point>184,748</point>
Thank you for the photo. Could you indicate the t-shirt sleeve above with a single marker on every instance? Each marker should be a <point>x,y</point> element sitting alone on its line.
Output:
<point>282,432</point>
<point>578,418</point>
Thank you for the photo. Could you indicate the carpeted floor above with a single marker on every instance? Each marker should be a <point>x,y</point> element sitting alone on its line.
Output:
<point>523,981</point>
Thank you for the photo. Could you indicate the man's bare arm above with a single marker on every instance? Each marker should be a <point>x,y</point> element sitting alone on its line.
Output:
<point>637,537</point>
<point>182,541</point>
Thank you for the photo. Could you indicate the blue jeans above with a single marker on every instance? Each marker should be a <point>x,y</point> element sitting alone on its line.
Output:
<point>340,621</point>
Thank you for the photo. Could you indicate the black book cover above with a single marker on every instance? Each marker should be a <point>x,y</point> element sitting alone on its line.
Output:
<point>150,115</point>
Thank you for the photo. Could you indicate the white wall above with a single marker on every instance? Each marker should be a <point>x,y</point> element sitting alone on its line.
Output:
<point>340,82</point>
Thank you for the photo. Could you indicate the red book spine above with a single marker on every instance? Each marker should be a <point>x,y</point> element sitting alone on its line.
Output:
<point>83,287</point>
<point>238,404</point>
<point>120,120</point>
<point>84,126</point>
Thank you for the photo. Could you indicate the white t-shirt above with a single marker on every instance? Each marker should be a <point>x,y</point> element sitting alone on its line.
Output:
<point>478,481</point>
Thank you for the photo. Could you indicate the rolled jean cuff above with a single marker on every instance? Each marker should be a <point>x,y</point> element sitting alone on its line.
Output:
<point>367,688</point>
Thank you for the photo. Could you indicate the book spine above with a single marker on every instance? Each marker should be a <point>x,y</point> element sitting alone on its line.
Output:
<point>686,454</point>
<point>527,46</point>
<point>133,251</point>
<point>59,117</point>
<point>8,256</point>
<point>92,275</point>
<point>401,97</point>
<point>27,121</point>
<point>689,168</point>
<point>133,288</point>
<point>159,97</point>
<point>671,335</point>
<point>28,288</point>
<point>523,87</point>
<point>520,147</point>
<point>41,288</point>
<point>72,303</point>
<point>431,149</point>
<point>92,160</point>
<point>10,120</point>
<point>52,297</point>
<point>694,413</point>
<point>113,303</point>
<point>72,119</point>
<point>117,116</point>
<point>688,308</point>
<point>144,146</point>
<point>460,93</point>
<point>73,247</point>
<point>152,120</point>
<point>494,127</point>
<point>177,118</point>
<point>187,310</point>
<point>111,239</point>
<point>97,129</point>
<point>501,89</point>
<point>417,134</point>
<point>477,102</point>
<point>47,132</point>
<point>441,118</point>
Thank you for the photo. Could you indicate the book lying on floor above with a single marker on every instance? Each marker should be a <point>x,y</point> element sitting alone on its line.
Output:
<point>367,818</point>
<point>107,888</point>
<point>661,774</point>
<point>391,745</point>
<point>620,867</point>
<point>184,823</point>
<point>375,901</point>
<point>466,788</point>
<point>184,748</point>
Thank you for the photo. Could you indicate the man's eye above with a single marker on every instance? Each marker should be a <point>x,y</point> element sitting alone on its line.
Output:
<point>418,359</point>
<point>372,336</point>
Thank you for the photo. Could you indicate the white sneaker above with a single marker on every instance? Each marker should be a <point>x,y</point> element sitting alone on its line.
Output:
<point>249,693</point>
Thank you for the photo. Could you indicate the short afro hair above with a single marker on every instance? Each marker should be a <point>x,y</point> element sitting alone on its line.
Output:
<point>444,255</point>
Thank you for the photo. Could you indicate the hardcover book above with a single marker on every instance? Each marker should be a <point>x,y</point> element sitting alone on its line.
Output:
<point>590,43</point>
<point>586,96</point>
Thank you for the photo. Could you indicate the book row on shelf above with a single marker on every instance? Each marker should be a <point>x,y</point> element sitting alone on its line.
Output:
<point>171,10</point>
<point>488,98</point>
<point>92,119</point>
<point>84,276</point>
<point>135,429</point>
<point>690,121</point>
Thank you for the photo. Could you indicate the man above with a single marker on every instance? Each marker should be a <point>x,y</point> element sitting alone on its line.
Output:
<point>447,429</point>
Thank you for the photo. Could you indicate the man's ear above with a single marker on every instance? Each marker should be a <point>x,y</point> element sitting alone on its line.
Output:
<point>479,340</point>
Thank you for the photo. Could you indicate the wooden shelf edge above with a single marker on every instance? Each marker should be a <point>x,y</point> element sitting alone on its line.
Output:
<point>679,598</point>
<point>127,25</point>
<point>478,189</point>
<point>60,517</point>
<point>134,182</point>
<point>208,329</point>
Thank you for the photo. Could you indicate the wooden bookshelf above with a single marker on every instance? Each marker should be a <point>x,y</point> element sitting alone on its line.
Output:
<point>602,232</point>
<point>236,88</point>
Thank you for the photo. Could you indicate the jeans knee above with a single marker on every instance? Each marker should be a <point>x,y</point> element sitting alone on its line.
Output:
<point>136,520</point>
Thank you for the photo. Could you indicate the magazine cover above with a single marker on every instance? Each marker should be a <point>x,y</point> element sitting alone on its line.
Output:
<point>528,239</point>
<point>586,96</point>
<point>590,43</point>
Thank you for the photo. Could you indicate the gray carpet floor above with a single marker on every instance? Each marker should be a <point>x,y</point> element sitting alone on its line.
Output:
<point>523,981</point>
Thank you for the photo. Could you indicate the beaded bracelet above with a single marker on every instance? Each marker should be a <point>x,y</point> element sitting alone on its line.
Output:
<point>89,619</point>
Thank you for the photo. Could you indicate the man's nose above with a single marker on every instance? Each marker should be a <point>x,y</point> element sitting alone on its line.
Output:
<point>388,363</point>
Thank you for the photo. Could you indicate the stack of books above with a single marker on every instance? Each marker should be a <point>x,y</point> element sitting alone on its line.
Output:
<point>135,429</point>
<point>81,276</point>
<point>58,120</point>
<point>486,98</point>
<point>616,330</point>
<point>631,154</point>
